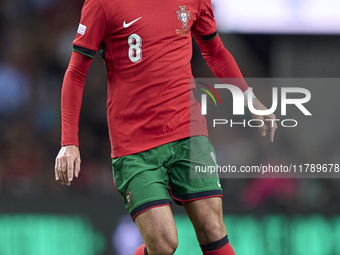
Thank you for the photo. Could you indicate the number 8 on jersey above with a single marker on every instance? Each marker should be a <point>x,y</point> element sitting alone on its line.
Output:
<point>135,51</point>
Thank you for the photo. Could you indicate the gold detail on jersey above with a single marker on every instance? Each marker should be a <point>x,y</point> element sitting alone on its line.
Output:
<point>183,15</point>
<point>183,32</point>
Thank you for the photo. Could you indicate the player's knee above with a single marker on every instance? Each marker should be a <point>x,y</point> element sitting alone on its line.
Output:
<point>164,246</point>
<point>211,231</point>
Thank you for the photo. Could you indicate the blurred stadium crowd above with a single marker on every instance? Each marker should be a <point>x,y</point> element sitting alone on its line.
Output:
<point>35,46</point>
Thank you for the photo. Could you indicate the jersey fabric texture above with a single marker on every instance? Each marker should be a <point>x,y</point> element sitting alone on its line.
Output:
<point>147,48</point>
<point>151,178</point>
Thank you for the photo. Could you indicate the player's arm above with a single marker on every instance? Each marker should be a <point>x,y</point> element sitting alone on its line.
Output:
<point>223,65</point>
<point>91,33</point>
<point>67,164</point>
<point>221,62</point>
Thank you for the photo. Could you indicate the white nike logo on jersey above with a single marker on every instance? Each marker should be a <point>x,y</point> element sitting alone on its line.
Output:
<point>129,24</point>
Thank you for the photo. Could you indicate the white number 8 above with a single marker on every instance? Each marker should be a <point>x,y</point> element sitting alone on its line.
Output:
<point>135,51</point>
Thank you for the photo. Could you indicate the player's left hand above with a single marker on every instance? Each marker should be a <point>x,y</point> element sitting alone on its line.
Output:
<point>270,125</point>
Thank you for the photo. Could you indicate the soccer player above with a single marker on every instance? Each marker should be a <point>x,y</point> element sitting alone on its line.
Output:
<point>155,125</point>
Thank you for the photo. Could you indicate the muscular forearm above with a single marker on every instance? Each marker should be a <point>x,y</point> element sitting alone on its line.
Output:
<point>221,62</point>
<point>71,97</point>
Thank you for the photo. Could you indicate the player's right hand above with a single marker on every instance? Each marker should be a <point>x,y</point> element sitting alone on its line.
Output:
<point>67,164</point>
<point>270,126</point>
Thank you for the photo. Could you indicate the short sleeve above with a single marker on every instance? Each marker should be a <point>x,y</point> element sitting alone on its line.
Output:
<point>205,25</point>
<point>92,28</point>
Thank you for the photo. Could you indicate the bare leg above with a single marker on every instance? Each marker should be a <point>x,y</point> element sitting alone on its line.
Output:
<point>158,229</point>
<point>207,217</point>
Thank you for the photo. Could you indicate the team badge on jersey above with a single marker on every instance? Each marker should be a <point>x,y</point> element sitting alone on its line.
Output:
<point>184,15</point>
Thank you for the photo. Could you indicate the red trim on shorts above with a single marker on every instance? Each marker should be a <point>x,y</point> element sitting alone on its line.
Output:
<point>149,209</point>
<point>196,196</point>
<point>194,199</point>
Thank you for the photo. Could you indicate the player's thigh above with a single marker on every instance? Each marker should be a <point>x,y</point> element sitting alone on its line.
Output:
<point>189,176</point>
<point>206,216</point>
<point>158,229</point>
<point>198,189</point>
<point>142,182</point>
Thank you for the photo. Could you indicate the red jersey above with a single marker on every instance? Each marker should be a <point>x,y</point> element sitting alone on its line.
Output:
<point>147,49</point>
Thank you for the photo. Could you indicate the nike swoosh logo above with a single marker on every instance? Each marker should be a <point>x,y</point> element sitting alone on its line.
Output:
<point>218,184</point>
<point>129,24</point>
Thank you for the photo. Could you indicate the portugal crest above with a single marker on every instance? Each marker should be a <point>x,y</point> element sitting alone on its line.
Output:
<point>128,197</point>
<point>184,16</point>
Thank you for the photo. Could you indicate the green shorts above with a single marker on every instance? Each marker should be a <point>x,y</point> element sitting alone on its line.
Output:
<point>152,178</point>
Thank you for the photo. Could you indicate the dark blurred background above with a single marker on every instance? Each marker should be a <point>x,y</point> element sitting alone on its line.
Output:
<point>35,47</point>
